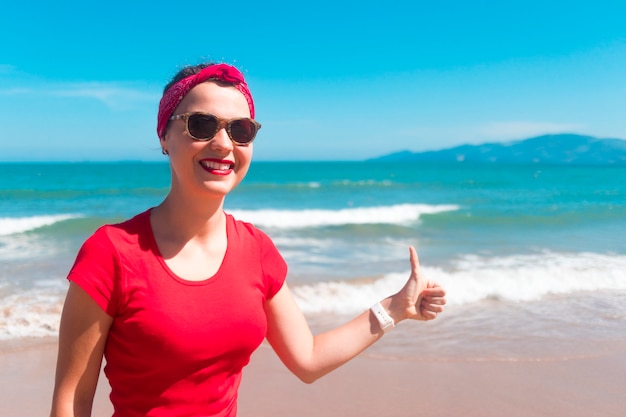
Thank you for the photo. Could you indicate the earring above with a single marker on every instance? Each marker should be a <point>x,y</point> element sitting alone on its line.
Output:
<point>164,151</point>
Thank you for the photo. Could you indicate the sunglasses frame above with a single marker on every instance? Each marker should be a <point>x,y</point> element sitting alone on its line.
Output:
<point>221,124</point>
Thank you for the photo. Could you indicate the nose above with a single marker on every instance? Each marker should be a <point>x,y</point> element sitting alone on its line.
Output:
<point>221,141</point>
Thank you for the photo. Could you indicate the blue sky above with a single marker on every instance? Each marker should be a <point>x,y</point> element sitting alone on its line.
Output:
<point>331,80</point>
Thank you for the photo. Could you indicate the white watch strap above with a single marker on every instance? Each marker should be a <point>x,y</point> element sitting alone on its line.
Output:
<point>384,319</point>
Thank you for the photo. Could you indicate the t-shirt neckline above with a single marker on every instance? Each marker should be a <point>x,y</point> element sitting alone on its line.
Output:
<point>176,277</point>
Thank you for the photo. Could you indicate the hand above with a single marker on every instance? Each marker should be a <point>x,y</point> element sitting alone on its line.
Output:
<point>419,299</point>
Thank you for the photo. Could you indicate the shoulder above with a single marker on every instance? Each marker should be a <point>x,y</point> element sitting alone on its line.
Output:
<point>110,238</point>
<point>242,229</point>
<point>254,248</point>
<point>124,230</point>
<point>247,237</point>
<point>101,262</point>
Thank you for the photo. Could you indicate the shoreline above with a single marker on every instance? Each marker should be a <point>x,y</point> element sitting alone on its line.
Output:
<point>372,387</point>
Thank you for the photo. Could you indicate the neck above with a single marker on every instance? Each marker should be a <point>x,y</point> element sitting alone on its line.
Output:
<point>183,219</point>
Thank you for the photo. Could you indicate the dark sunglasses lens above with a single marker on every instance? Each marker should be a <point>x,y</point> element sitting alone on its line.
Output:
<point>202,126</point>
<point>242,130</point>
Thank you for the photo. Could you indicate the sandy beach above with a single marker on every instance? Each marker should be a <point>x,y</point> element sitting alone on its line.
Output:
<point>373,387</point>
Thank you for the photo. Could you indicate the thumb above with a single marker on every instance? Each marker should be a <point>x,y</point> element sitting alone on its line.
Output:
<point>419,282</point>
<point>415,263</point>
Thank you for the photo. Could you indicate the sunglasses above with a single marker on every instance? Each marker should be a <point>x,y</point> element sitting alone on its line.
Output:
<point>204,126</point>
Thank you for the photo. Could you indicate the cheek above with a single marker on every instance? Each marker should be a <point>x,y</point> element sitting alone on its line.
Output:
<point>183,146</point>
<point>244,157</point>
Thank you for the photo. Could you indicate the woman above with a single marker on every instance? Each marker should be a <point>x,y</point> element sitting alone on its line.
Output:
<point>177,298</point>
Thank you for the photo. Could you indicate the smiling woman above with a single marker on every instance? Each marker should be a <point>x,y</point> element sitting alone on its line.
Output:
<point>177,298</point>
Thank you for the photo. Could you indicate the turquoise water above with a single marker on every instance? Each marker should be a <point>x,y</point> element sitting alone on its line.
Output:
<point>502,239</point>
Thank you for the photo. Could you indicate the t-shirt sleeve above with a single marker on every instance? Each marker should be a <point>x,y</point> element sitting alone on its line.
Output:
<point>96,271</point>
<point>274,266</point>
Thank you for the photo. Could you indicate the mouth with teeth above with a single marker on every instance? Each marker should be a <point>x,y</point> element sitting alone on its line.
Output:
<point>217,166</point>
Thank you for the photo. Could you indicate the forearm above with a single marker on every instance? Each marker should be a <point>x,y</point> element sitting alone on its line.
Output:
<point>335,347</point>
<point>65,405</point>
<point>311,357</point>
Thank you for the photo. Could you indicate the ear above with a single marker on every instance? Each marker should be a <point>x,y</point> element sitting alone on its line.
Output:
<point>163,143</point>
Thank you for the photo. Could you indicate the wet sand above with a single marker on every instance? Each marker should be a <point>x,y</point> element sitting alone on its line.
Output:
<point>373,387</point>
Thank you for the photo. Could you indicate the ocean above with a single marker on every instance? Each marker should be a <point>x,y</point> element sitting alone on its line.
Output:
<point>533,256</point>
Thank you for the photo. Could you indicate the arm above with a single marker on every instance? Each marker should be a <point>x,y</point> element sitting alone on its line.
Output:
<point>311,357</point>
<point>82,336</point>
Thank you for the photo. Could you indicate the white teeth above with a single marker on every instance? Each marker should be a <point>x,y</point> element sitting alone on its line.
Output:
<point>215,165</point>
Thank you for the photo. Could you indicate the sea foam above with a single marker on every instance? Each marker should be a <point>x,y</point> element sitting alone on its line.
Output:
<point>290,219</point>
<point>33,313</point>
<point>471,279</point>
<point>15,225</point>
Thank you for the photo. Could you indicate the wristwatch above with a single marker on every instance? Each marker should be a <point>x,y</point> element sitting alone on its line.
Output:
<point>384,319</point>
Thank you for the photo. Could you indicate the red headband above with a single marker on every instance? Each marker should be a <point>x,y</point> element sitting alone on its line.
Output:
<point>173,96</point>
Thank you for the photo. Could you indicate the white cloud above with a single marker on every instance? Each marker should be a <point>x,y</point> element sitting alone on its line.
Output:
<point>14,91</point>
<point>111,94</point>
<point>115,95</point>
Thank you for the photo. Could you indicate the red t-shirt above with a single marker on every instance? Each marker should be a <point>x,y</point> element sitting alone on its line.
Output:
<point>177,347</point>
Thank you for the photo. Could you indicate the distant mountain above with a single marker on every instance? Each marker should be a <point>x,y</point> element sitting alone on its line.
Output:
<point>547,149</point>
